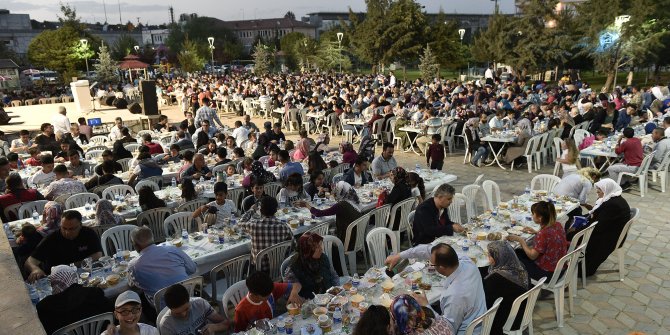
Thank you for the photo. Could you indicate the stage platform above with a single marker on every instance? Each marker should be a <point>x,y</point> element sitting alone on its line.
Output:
<point>32,117</point>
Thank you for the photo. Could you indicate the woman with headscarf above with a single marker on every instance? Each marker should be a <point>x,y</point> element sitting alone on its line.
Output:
<point>259,174</point>
<point>612,212</point>
<point>104,214</point>
<point>346,209</point>
<point>50,218</point>
<point>302,150</point>
<point>399,192</point>
<point>507,278</point>
<point>120,152</point>
<point>410,318</point>
<point>70,301</point>
<point>311,267</point>
<point>518,148</point>
<point>475,144</point>
<point>400,122</point>
<point>349,155</point>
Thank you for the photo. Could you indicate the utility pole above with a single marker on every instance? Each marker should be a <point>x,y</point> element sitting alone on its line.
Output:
<point>104,8</point>
<point>120,20</point>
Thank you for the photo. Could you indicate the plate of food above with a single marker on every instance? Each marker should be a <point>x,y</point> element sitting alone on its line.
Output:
<point>322,299</point>
<point>335,290</point>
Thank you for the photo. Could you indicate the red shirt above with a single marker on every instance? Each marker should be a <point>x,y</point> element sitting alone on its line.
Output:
<point>32,161</point>
<point>9,199</point>
<point>246,312</point>
<point>632,151</point>
<point>551,243</point>
<point>154,148</point>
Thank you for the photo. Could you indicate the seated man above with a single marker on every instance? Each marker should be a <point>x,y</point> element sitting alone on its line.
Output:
<point>157,266</point>
<point>46,175</point>
<point>385,163</point>
<point>358,175</point>
<point>108,156</point>
<point>632,152</point>
<point>431,218</point>
<point>72,243</point>
<point>77,168</point>
<point>70,302</point>
<point>288,167</point>
<point>463,298</point>
<point>63,184</point>
<point>661,147</point>
<point>63,155</point>
<point>107,178</point>
<point>260,302</point>
<point>146,167</point>
<point>46,141</point>
<point>183,142</point>
<point>162,125</point>
<point>154,148</point>
<point>189,315</point>
<point>173,156</point>
<point>221,156</point>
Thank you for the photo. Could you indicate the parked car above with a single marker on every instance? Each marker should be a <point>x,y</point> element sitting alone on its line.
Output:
<point>249,68</point>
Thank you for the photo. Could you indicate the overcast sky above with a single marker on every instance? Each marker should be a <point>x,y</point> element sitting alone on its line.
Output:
<point>156,11</point>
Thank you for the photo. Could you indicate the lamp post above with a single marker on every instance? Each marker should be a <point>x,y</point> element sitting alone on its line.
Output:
<point>137,49</point>
<point>461,33</point>
<point>304,42</point>
<point>618,23</point>
<point>84,44</point>
<point>211,51</point>
<point>339,46</point>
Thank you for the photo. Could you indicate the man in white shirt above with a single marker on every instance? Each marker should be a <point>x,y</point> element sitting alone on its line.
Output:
<point>61,123</point>
<point>46,175</point>
<point>240,133</point>
<point>666,125</point>
<point>115,132</point>
<point>463,298</point>
<point>392,79</point>
<point>496,122</point>
<point>488,75</point>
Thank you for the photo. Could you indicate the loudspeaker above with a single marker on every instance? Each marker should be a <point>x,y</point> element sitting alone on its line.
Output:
<point>149,98</point>
<point>109,100</point>
<point>135,108</point>
<point>120,103</point>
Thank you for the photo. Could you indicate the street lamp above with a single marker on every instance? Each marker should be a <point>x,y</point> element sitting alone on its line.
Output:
<point>304,42</point>
<point>84,44</point>
<point>137,49</point>
<point>461,33</point>
<point>211,50</point>
<point>339,46</point>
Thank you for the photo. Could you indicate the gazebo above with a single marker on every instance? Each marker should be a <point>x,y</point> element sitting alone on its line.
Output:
<point>132,62</point>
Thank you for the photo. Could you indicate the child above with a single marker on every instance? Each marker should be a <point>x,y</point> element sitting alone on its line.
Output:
<point>415,182</point>
<point>230,170</point>
<point>259,303</point>
<point>274,156</point>
<point>436,153</point>
<point>292,191</point>
<point>225,207</point>
<point>569,157</point>
<point>15,162</point>
<point>34,159</point>
<point>333,164</point>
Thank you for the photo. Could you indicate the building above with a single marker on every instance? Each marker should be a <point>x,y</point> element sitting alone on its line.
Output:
<point>268,29</point>
<point>15,31</point>
<point>9,72</point>
<point>155,36</point>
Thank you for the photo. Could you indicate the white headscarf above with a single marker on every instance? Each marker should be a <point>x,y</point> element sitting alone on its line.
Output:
<point>62,277</point>
<point>610,189</point>
<point>344,192</point>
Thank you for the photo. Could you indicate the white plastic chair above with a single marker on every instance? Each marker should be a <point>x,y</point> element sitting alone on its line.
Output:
<point>662,171</point>
<point>235,195</point>
<point>580,135</point>
<point>272,189</point>
<point>264,159</point>
<point>561,279</point>
<point>492,191</point>
<point>541,153</point>
<point>12,211</point>
<point>640,174</point>
<point>529,153</point>
<point>275,256</point>
<point>112,191</point>
<point>89,326</point>
<point>544,182</point>
<point>404,207</point>
<point>454,209</point>
<point>478,181</point>
<point>527,320</point>
<point>330,241</point>
<point>99,140</point>
<point>468,154</point>
<point>581,238</point>
<point>397,140</point>
<point>154,219</point>
<point>359,241</point>
<point>191,206</point>
<point>634,214</point>
<point>145,131</point>
<point>558,144</point>
<point>377,242</point>
<point>320,229</point>
<point>93,154</point>
<point>176,222</point>
<point>338,177</point>
<point>146,183</point>
<point>125,164</point>
<point>381,215</point>
<point>233,270</point>
<point>486,320</point>
<point>219,168</point>
<point>26,209</point>
<point>193,285</point>
<point>449,137</point>
<point>233,295</point>
<point>471,193</point>
<point>120,238</point>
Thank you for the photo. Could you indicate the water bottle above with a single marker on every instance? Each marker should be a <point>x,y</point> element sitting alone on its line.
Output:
<point>36,216</point>
<point>87,174</point>
<point>174,182</point>
<point>184,235</point>
<point>527,189</point>
<point>119,255</point>
<point>87,206</point>
<point>417,168</point>
<point>34,296</point>
<point>337,316</point>
<point>8,231</point>
<point>202,180</point>
<point>355,281</point>
<point>281,326</point>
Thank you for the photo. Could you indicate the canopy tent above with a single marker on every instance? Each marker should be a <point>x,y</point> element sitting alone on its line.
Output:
<point>132,62</point>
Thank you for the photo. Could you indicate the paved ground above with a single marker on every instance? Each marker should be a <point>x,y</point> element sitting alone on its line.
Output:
<point>607,306</point>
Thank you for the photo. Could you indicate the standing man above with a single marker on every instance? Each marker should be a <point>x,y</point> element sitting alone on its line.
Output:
<point>207,113</point>
<point>384,164</point>
<point>61,123</point>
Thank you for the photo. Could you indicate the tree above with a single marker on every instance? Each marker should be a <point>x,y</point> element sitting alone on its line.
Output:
<point>370,50</point>
<point>428,66</point>
<point>292,44</point>
<point>446,44</point>
<point>189,57</point>
<point>106,70</point>
<point>405,32</point>
<point>123,46</point>
<point>262,59</point>
<point>289,15</point>
<point>491,44</point>
<point>226,44</point>
<point>330,57</point>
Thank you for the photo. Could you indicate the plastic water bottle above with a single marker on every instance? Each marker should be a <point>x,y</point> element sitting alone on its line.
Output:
<point>417,168</point>
<point>337,316</point>
<point>355,281</point>
<point>87,174</point>
<point>202,180</point>
<point>36,216</point>
<point>527,189</point>
<point>174,182</point>
<point>87,206</point>
<point>34,296</point>
<point>184,235</point>
<point>281,326</point>
<point>119,255</point>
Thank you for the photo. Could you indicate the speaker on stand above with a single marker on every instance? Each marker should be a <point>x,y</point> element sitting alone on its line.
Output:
<point>149,98</point>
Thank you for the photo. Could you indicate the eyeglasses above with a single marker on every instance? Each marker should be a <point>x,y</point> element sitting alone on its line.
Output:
<point>126,312</point>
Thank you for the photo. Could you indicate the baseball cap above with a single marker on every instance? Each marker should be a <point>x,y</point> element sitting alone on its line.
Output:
<point>126,297</point>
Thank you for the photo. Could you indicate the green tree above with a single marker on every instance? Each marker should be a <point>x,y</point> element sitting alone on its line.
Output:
<point>190,58</point>
<point>428,65</point>
<point>292,44</point>
<point>491,44</point>
<point>446,43</point>
<point>262,59</point>
<point>366,42</point>
<point>123,47</point>
<point>330,57</point>
<point>106,69</point>
<point>405,32</point>
<point>226,44</point>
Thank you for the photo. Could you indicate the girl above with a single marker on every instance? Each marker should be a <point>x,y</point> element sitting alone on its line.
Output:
<point>188,192</point>
<point>293,191</point>
<point>230,170</point>
<point>316,187</point>
<point>569,158</point>
<point>415,182</point>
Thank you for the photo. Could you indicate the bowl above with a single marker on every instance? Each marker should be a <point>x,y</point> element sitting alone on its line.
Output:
<point>294,223</point>
<point>320,311</point>
<point>293,309</point>
<point>356,300</point>
<point>177,242</point>
<point>113,279</point>
<point>388,286</point>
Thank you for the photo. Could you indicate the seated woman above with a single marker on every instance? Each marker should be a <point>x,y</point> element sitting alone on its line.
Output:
<point>375,320</point>
<point>550,242</point>
<point>476,145</point>
<point>506,278</point>
<point>16,193</point>
<point>51,216</point>
<point>578,186</point>
<point>415,182</point>
<point>409,317</point>
<point>292,191</point>
<point>147,167</point>
<point>315,163</point>
<point>311,267</point>
<point>210,150</point>
<point>188,192</point>
<point>400,191</point>
<point>302,150</point>
<point>569,157</point>
<point>149,200</point>
<point>518,148</point>
<point>612,212</point>
<point>198,170</point>
<point>104,214</point>
<point>349,155</point>
<point>316,186</point>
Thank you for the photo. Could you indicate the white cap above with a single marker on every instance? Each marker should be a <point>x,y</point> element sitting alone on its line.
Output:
<point>126,297</point>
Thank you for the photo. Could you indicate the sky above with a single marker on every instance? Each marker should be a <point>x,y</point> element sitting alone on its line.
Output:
<point>156,11</point>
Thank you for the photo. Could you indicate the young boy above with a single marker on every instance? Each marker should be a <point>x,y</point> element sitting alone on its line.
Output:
<point>225,207</point>
<point>436,153</point>
<point>259,303</point>
<point>257,192</point>
<point>34,159</point>
<point>15,162</point>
